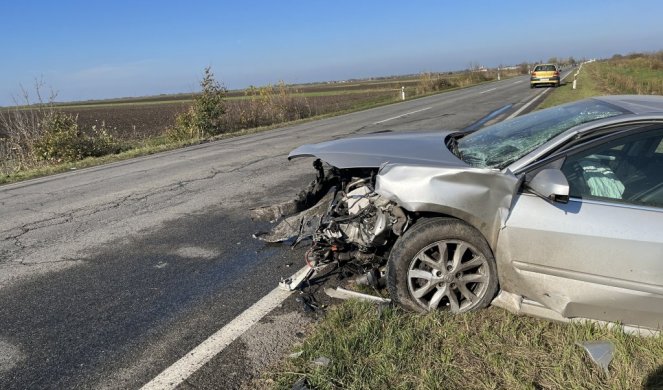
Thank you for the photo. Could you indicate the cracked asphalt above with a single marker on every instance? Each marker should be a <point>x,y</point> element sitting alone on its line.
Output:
<point>110,274</point>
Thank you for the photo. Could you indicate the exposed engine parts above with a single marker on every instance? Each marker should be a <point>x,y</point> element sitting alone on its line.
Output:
<point>345,219</point>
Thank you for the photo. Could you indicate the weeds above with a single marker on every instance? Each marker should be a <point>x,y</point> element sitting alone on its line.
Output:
<point>62,140</point>
<point>21,129</point>
<point>435,82</point>
<point>34,134</point>
<point>266,106</point>
<point>640,74</point>
<point>637,74</point>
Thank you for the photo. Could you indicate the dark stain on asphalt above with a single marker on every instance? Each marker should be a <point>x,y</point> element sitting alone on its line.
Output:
<point>172,288</point>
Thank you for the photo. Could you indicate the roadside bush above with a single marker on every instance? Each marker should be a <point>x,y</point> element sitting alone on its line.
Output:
<point>63,141</point>
<point>205,117</point>
<point>429,82</point>
<point>20,128</point>
<point>264,106</point>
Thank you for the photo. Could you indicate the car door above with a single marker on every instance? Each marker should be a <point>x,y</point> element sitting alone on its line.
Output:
<point>600,255</point>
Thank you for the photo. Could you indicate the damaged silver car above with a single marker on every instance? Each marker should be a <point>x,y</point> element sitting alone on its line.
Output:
<point>557,213</point>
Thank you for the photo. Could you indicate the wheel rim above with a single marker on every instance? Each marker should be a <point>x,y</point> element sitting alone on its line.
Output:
<point>448,274</point>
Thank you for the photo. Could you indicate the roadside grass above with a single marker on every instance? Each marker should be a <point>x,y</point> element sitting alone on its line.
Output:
<point>634,74</point>
<point>640,74</point>
<point>151,147</point>
<point>586,86</point>
<point>382,347</point>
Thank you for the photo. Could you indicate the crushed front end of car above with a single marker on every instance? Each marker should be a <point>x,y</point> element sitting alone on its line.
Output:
<point>370,190</point>
<point>346,221</point>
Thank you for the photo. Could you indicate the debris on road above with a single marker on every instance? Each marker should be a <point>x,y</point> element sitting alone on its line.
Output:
<point>341,293</point>
<point>293,282</point>
<point>309,303</point>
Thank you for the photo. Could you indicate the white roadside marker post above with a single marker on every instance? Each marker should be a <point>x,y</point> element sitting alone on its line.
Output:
<point>574,80</point>
<point>402,93</point>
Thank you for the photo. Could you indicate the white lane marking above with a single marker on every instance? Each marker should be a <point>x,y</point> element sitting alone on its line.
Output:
<point>519,81</point>
<point>521,109</point>
<point>400,116</point>
<point>488,90</point>
<point>179,371</point>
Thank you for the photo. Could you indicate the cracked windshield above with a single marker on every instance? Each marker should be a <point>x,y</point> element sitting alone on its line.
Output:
<point>499,145</point>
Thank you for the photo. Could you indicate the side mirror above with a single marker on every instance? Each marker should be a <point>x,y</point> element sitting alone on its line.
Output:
<point>550,184</point>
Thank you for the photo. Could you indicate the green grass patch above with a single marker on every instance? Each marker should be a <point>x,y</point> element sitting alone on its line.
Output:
<point>586,86</point>
<point>374,347</point>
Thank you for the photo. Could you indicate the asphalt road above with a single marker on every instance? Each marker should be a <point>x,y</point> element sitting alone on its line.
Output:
<point>110,274</point>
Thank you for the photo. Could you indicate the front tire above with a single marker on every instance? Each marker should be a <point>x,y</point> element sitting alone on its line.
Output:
<point>442,263</point>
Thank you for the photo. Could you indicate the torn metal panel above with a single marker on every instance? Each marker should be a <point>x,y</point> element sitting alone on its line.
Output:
<point>301,225</point>
<point>482,197</point>
<point>308,197</point>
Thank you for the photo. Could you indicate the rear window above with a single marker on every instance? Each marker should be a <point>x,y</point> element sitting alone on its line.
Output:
<point>545,68</point>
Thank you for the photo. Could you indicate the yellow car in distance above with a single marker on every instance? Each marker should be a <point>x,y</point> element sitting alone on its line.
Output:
<point>544,74</point>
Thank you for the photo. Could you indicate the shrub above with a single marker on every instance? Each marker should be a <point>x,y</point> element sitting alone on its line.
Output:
<point>63,141</point>
<point>431,82</point>
<point>20,128</point>
<point>264,106</point>
<point>205,117</point>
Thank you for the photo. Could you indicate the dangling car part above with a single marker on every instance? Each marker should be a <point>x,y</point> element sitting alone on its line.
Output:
<point>557,212</point>
<point>348,222</point>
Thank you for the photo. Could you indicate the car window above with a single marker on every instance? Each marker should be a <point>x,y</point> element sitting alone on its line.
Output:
<point>627,170</point>
<point>545,68</point>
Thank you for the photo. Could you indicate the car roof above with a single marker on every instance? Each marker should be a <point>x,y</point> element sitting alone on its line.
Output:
<point>637,104</point>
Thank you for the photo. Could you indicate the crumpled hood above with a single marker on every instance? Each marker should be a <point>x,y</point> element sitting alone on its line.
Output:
<point>371,151</point>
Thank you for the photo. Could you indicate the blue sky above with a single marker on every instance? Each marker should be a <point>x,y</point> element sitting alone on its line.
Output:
<point>104,49</point>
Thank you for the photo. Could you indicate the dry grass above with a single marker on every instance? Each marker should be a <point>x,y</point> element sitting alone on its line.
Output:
<point>383,348</point>
<point>640,74</point>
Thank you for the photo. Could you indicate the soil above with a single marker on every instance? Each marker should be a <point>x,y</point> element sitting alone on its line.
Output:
<point>130,121</point>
